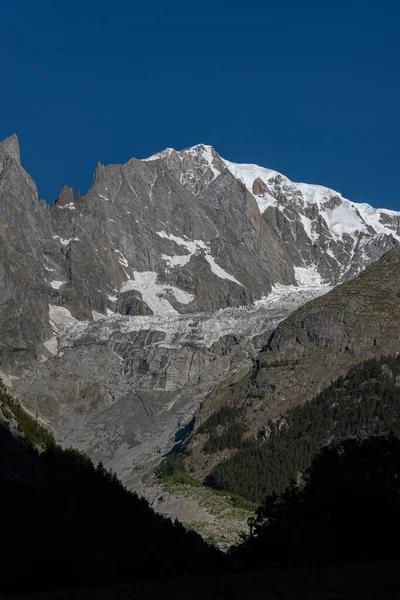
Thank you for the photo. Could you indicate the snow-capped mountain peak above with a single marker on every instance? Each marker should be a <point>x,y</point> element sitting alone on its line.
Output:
<point>311,219</point>
<point>317,206</point>
<point>179,232</point>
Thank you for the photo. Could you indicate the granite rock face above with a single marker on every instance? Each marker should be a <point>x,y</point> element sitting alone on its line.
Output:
<point>25,237</point>
<point>122,308</point>
<point>180,232</point>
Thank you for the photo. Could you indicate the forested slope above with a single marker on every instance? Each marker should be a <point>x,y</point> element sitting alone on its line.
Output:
<point>319,342</point>
<point>366,402</point>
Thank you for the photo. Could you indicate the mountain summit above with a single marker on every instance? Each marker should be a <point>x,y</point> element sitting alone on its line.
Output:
<point>308,215</point>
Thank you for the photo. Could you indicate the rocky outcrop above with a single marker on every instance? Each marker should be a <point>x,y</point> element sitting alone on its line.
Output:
<point>25,235</point>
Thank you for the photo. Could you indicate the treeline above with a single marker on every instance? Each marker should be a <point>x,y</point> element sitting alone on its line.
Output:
<point>172,470</point>
<point>68,523</point>
<point>347,510</point>
<point>366,402</point>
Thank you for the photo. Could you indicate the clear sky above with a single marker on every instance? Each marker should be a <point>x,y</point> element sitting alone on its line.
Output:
<point>311,88</point>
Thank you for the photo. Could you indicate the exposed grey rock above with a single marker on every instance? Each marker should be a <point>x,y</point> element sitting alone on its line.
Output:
<point>24,235</point>
<point>180,232</point>
<point>125,389</point>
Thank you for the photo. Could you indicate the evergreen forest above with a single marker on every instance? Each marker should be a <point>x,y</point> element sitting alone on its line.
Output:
<point>364,403</point>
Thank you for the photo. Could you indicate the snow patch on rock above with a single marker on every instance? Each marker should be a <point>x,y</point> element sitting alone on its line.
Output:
<point>308,276</point>
<point>70,206</point>
<point>308,227</point>
<point>194,247</point>
<point>177,260</point>
<point>56,284</point>
<point>121,258</point>
<point>6,379</point>
<point>153,294</point>
<point>97,316</point>
<point>66,242</point>
<point>51,345</point>
<point>60,316</point>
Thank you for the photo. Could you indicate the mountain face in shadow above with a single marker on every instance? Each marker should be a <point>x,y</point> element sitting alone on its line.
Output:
<point>67,523</point>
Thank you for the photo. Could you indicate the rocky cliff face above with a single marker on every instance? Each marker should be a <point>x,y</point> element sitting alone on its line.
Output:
<point>22,220</point>
<point>121,309</point>
<point>180,232</point>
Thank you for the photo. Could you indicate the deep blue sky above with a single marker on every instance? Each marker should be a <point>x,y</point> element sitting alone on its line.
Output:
<point>311,89</point>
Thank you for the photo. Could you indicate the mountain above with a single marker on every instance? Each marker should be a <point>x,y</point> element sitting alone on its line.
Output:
<point>316,344</point>
<point>121,309</point>
<point>180,232</point>
<point>329,238</point>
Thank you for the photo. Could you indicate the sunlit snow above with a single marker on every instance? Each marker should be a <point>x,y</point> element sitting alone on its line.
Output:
<point>65,242</point>
<point>194,247</point>
<point>308,276</point>
<point>56,284</point>
<point>153,294</point>
<point>348,218</point>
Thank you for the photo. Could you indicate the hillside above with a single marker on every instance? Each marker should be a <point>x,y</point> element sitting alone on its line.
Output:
<point>59,509</point>
<point>346,509</point>
<point>318,343</point>
<point>366,402</point>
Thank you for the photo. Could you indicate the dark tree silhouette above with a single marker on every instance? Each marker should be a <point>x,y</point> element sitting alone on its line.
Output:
<point>347,509</point>
<point>66,523</point>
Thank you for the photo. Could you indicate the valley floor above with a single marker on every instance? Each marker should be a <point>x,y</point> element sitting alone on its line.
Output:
<point>356,581</point>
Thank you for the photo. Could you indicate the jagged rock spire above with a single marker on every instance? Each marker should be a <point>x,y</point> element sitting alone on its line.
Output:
<point>98,173</point>
<point>10,147</point>
<point>67,196</point>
